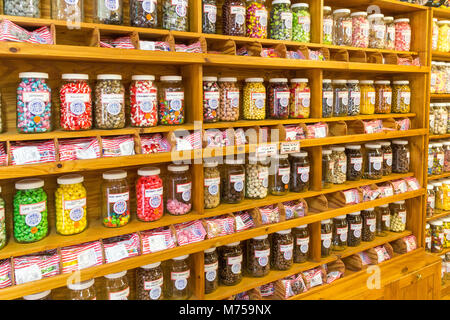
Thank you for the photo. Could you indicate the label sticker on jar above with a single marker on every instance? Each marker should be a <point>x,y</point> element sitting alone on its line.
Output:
<point>175,100</point>
<point>263,176</point>
<point>180,279</point>
<point>258,99</point>
<point>71,2</point>
<point>328,97</point>
<point>286,17</point>
<point>33,213</point>
<point>76,214</point>
<point>304,173</point>
<point>364,29</point>
<point>36,101</point>
<point>379,31</point>
<point>356,163</point>
<point>343,96</point>
<point>406,35</point>
<point>356,97</point>
<point>356,227</point>
<point>387,220</point>
<point>440,158</point>
<point>285,174</point>
<point>116,253</point>
<point>77,102</point>
<point>342,232</point>
<point>304,99</point>
<point>112,5</point>
<point>148,6</point>
<point>388,158</point>
<point>213,185</point>
<point>185,190</point>
<point>238,180</point>
<point>87,259</point>
<point>327,26</point>
<point>347,26</point>
<point>119,201</point>
<point>235,263</point>
<point>406,97</point>
<point>371,96</point>
<point>211,271</point>
<point>212,99</point>
<point>343,165</point>
<point>402,215</point>
<point>283,98</point>
<point>305,23</point>
<point>390,33</point>
<point>239,13</point>
<point>149,285</point>
<point>181,8</point>
<point>113,102</point>
<point>326,238</point>
<point>376,162</point>
<point>387,96</point>
<point>371,223</point>
<point>146,101</point>
<point>262,16</point>
<point>155,197</point>
<point>28,274</point>
<point>263,257</point>
<point>287,250</point>
<point>233,96</point>
<point>304,244</point>
<point>211,12</point>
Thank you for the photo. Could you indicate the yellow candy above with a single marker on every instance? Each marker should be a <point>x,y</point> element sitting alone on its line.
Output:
<point>254,100</point>
<point>70,204</point>
<point>443,37</point>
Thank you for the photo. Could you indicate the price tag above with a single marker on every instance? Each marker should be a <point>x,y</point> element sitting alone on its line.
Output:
<point>266,150</point>
<point>28,274</point>
<point>289,147</point>
<point>157,243</point>
<point>116,253</point>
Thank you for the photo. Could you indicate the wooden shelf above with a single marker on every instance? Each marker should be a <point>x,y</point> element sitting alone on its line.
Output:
<point>392,6</point>
<point>440,96</point>
<point>439,136</point>
<point>438,215</point>
<point>444,251</point>
<point>441,13</point>
<point>441,56</point>
<point>439,176</point>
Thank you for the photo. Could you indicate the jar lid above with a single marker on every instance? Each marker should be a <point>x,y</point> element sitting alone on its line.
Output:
<point>282,80</point>
<point>372,145</point>
<point>300,5</point>
<point>431,145</point>
<point>366,82</point>
<point>300,154</point>
<point>39,75</point>
<point>143,77</point>
<point>384,205</point>
<point>446,143</point>
<point>177,168</point>
<point>388,19</point>
<point>280,156</point>
<point>353,147</point>
<point>400,202</point>
<point>430,187</point>
<point>326,151</point>
<point>439,145</point>
<point>170,78</point>
<point>81,285</point>
<point>353,81</point>
<point>340,81</point>
<point>339,149</point>
<point>209,79</point>
<point>70,179</point>
<point>228,79</point>
<point>326,81</point>
<point>299,80</point>
<point>32,183</point>
<point>376,16</point>
<point>341,11</point>
<point>234,161</point>
<point>301,227</point>
<point>74,76</point>
<point>359,13</point>
<point>327,8</point>
<point>114,174</point>
<point>210,164</point>
<point>446,219</point>
<point>284,231</point>
<point>357,213</point>
<point>427,226</point>
<point>210,250</point>
<point>254,159</point>
<point>402,82</point>
<point>109,77</point>
<point>116,275</point>
<point>148,171</point>
<point>443,22</point>
<point>384,143</point>
<point>383,82</point>
<point>344,216</point>
<point>401,20</point>
<point>437,184</point>
<point>436,223</point>
<point>325,221</point>
<point>181,257</point>
<point>402,142</point>
<point>233,244</point>
<point>261,237</point>
<point>254,79</point>
<point>369,209</point>
<point>37,296</point>
<point>435,19</point>
<point>151,265</point>
<point>281,1</point>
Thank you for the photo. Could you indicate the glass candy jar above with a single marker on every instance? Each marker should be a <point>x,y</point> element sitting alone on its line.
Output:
<point>256,19</point>
<point>354,229</point>
<point>116,286</point>
<point>109,102</point>
<point>230,264</point>
<point>339,159</point>
<point>175,15</point>
<point>300,168</point>
<point>300,99</point>
<point>115,199</point>
<point>211,98</point>
<point>149,194</point>
<point>401,156</point>
<point>108,11</point>
<point>143,101</point>
<point>84,290</point>
<point>171,100</point>
<point>278,95</point>
<point>212,190</point>
<point>282,248</point>
<point>144,13</point>
<point>254,99</point>
<point>256,178</point>
<point>75,102</point>
<point>258,256</point>
<point>373,161</point>
<point>233,181</point>
<point>354,162</point>
<point>401,97</point>
<point>342,27</point>
<point>383,96</point>
<point>398,216</point>
<point>340,231</point>
<point>279,175</point>
<point>233,18</point>
<point>178,279</point>
<point>178,189</point>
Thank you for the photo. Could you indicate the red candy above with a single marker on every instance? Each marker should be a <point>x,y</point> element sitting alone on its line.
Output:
<point>149,194</point>
<point>144,103</point>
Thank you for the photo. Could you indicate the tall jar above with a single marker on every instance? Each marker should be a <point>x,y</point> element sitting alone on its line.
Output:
<point>440,118</point>
<point>30,211</point>
<point>175,15</point>
<point>431,201</point>
<point>369,220</point>
<point>373,160</point>
<point>386,150</point>
<point>327,169</point>
<point>354,162</point>
<point>340,231</point>
<point>281,20</point>
<point>389,40</point>
<point>233,18</point>
<point>446,156</point>
<point>24,8</point>
<point>34,114</point>
<point>278,96</point>
<point>446,226</point>
<point>383,216</point>
<point>233,181</point>
<point>70,205</point>
<point>360,29</point>
<point>427,238</point>
<point>339,160</point>
<point>282,248</point>
<point>301,243</point>
<point>340,105</point>
<point>254,99</point>
<point>211,265</point>
<point>437,236</point>
<point>377,31</point>
<point>367,97</point>
<point>144,13</point>
<point>327,98</point>
<point>431,159</point>
<point>401,97</point>
<point>211,184</point>
<point>434,34</point>
<point>178,189</point>
<point>326,236</point>
<point>84,290</point>
<point>256,177</point>
<point>108,11</point>
<point>301,22</point>
<point>300,99</point>
<point>439,204</point>
<point>109,102</point>
<point>70,10</point>
<point>402,34</point>
<point>256,19</point>
<point>116,286</point>
<point>75,102</point>
<point>398,216</point>
<point>258,256</point>
<point>178,279</point>
<point>342,27</point>
<point>443,44</point>
<point>3,234</point>
<point>438,159</point>
<point>354,97</point>
<point>211,98</point>
<point>327,25</point>
<point>401,156</point>
<point>149,194</point>
<point>230,264</point>
<point>143,101</point>
<point>383,96</point>
<point>171,100</point>
<point>209,16</point>
<point>300,168</point>
<point>116,199</point>
<point>149,282</point>
<point>229,99</point>
<point>279,175</point>
<point>354,229</point>
<point>434,78</point>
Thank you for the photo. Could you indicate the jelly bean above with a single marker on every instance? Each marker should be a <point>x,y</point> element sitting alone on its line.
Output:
<point>281,20</point>
<point>76,102</point>
<point>143,102</point>
<point>256,19</point>
<point>149,194</point>
<point>171,101</point>
<point>116,199</point>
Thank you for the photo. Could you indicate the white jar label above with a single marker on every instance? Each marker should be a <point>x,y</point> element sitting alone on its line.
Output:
<point>388,158</point>
<point>112,5</point>
<point>119,201</point>
<point>239,13</point>
<point>328,97</point>
<point>213,185</point>
<point>402,215</point>
<point>211,12</point>
<point>113,102</point>
<point>33,213</point>
<point>180,279</point>
<point>175,100</point>
<point>263,257</point>
<point>406,96</point>
<point>212,99</point>
<point>305,23</point>
<point>36,101</point>
<point>286,17</point>
<point>343,96</point>
<point>146,101</point>
<point>286,249</point>
<point>71,2</point>
<point>154,288</point>
<point>120,295</point>
<point>211,271</point>
<point>343,165</point>
<point>283,97</point>
<point>238,180</point>
<point>327,26</point>
<point>234,97</point>
<point>356,96</point>
<point>258,99</point>
<point>304,98</point>
<point>304,244</point>
<point>387,97</point>
<point>347,26</point>
<point>77,102</point>
<point>185,190</point>
<point>149,6</point>
<point>371,96</point>
<point>342,232</point>
<point>262,16</point>
<point>376,162</point>
<point>357,163</point>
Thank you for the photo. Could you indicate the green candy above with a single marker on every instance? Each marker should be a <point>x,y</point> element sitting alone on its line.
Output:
<point>280,20</point>
<point>301,24</point>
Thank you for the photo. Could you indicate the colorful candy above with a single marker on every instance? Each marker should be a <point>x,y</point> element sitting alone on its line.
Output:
<point>175,15</point>
<point>211,98</point>
<point>116,199</point>
<point>179,190</point>
<point>256,19</point>
<point>377,31</point>
<point>300,99</point>
<point>109,102</point>
<point>360,29</point>
<point>171,100</point>
<point>402,34</point>
<point>278,95</point>
<point>143,101</point>
<point>254,99</point>
<point>149,194</point>
<point>76,102</point>
<point>301,22</point>
<point>443,43</point>
<point>281,20</point>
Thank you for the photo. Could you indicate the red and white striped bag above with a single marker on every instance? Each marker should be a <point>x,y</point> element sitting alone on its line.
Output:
<point>3,155</point>
<point>189,142</point>
<point>79,149</point>
<point>118,146</point>
<point>269,214</point>
<point>5,274</point>
<point>81,256</point>
<point>121,247</point>
<point>36,267</point>
<point>12,32</point>
<point>28,152</point>
<point>189,232</point>
<point>219,226</point>
<point>157,239</point>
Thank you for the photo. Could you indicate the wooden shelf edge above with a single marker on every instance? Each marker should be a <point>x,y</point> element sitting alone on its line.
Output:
<point>438,176</point>
<point>444,251</point>
<point>439,215</point>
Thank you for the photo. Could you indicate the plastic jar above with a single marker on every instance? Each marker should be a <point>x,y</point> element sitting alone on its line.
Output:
<point>70,205</point>
<point>281,20</point>
<point>300,99</point>
<point>254,99</point>
<point>340,105</point>
<point>76,102</point>
<point>386,150</point>
<point>327,98</point>
<point>281,257</point>
<point>301,22</point>
<point>279,175</point>
<point>230,264</point>
<point>178,189</point>
<point>209,16</point>
<point>440,118</point>
<point>431,195</point>
<point>3,235</point>
<point>354,229</point>
<point>326,236</point>
<point>446,156</point>
<point>233,18</point>
<point>389,40</point>
<point>446,227</point>
<point>367,97</point>
<point>229,99</point>
<point>401,157</point>
<point>354,162</point>
<point>211,184</point>
<point>373,160</point>
<point>431,159</point>
<point>71,11</point>
<point>340,231</point>
<point>401,97</point>
<point>278,94</point>
<point>116,199</point>
<point>256,178</point>
<point>437,236</point>
<point>427,238</point>
<point>256,19</point>
<point>434,34</point>
<point>149,194</point>
<point>149,282</point>
<point>339,159</point>
<point>327,169</point>
<point>398,216</point>
<point>360,29</point>
<point>233,181</point>
<point>383,216</point>
<point>439,200</point>
<point>30,211</point>
<point>34,114</point>
<point>143,101</point>
<point>301,243</point>
<point>211,266</point>
<point>342,27</point>
<point>446,194</point>
<point>434,79</point>
<point>377,31</point>
<point>402,34</point>
<point>171,100</point>
<point>438,159</point>
<point>354,97</point>
<point>178,279</point>
<point>24,8</point>
<point>116,286</point>
<point>258,256</point>
<point>144,13</point>
<point>369,220</point>
<point>211,98</point>
<point>300,168</point>
<point>175,15</point>
<point>443,44</point>
<point>84,290</point>
<point>44,295</point>
<point>108,12</point>
<point>109,102</point>
<point>383,96</point>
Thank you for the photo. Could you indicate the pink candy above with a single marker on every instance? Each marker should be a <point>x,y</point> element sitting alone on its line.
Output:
<point>177,208</point>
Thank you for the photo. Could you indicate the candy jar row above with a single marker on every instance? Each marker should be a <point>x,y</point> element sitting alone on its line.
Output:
<point>438,158</point>
<point>440,77</point>
<point>438,198</point>
<point>439,118</point>
<point>437,235</point>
